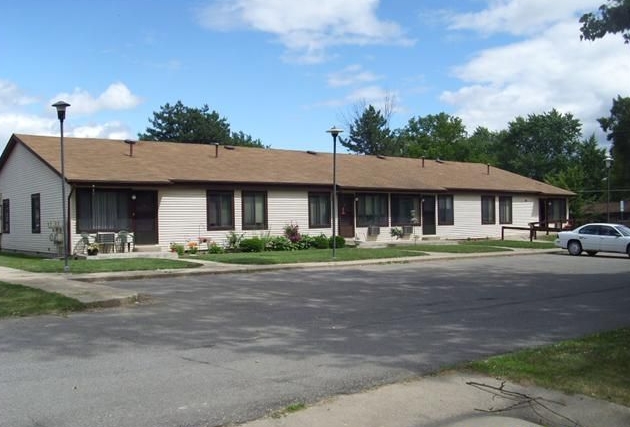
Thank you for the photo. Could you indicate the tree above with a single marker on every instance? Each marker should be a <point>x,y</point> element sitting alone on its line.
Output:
<point>370,134</point>
<point>581,177</point>
<point>612,17</point>
<point>617,126</point>
<point>540,144</point>
<point>482,146</point>
<point>178,123</point>
<point>434,136</point>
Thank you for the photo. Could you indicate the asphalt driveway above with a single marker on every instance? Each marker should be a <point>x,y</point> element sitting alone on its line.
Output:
<point>212,350</point>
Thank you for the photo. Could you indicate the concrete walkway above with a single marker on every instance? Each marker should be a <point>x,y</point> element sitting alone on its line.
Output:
<point>451,400</point>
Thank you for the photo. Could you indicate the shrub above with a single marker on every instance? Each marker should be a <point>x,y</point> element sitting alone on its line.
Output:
<point>180,249</point>
<point>341,242</point>
<point>255,244</point>
<point>396,232</point>
<point>215,249</point>
<point>306,242</point>
<point>292,232</point>
<point>233,240</point>
<point>320,242</point>
<point>281,243</point>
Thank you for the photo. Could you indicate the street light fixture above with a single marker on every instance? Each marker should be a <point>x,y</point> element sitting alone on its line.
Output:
<point>61,115</point>
<point>609,161</point>
<point>334,131</point>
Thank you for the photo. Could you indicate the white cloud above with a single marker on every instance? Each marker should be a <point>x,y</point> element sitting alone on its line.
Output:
<point>11,96</point>
<point>22,123</point>
<point>14,117</point>
<point>116,97</point>
<point>307,27</point>
<point>109,130</point>
<point>520,17</point>
<point>351,75</point>
<point>553,69</point>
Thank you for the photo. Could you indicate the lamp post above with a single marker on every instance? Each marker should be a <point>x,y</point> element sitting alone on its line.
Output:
<point>334,132</point>
<point>61,115</point>
<point>608,161</point>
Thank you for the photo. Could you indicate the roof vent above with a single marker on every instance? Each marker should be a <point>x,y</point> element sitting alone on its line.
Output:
<point>311,152</point>
<point>131,143</point>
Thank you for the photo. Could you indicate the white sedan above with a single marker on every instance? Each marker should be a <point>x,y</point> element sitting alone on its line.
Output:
<point>593,238</point>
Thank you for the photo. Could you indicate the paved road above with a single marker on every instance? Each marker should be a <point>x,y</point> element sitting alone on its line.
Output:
<point>212,350</point>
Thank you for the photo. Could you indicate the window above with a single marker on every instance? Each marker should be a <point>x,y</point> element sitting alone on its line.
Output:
<point>487,210</point>
<point>220,210</point>
<point>405,209</point>
<point>254,210</point>
<point>445,210</point>
<point>102,210</point>
<point>372,210</point>
<point>36,223</point>
<point>505,210</point>
<point>319,210</point>
<point>6,220</point>
<point>557,210</point>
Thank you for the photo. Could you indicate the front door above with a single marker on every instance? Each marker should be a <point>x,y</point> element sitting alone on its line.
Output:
<point>346,215</point>
<point>428,215</point>
<point>144,217</point>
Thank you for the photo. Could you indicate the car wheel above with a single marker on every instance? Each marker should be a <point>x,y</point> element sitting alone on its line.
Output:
<point>628,250</point>
<point>591,253</point>
<point>574,247</point>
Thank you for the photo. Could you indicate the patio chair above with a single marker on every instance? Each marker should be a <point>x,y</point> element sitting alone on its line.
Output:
<point>124,241</point>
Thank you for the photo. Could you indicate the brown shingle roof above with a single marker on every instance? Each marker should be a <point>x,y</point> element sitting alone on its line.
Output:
<point>109,161</point>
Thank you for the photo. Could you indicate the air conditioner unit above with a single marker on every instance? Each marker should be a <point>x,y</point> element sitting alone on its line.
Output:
<point>407,230</point>
<point>374,230</point>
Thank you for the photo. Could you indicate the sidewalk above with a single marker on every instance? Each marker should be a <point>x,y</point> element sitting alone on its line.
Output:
<point>436,401</point>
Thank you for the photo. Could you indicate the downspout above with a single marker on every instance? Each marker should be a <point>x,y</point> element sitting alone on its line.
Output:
<point>68,228</point>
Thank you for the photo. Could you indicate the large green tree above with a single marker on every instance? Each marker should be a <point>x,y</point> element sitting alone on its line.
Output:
<point>370,134</point>
<point>612,17</point>
<point>583,175</point>
<point>540,144</point>
<point>434,136</point>
<point>617,126</point>
<point>179,123</point>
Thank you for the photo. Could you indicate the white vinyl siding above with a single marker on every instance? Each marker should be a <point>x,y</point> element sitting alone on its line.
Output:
<point>18,189</point>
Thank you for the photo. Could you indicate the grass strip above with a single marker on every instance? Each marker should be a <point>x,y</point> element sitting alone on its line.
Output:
<point>597,366</point>
<point>18,300</point>
<point>44,265</point>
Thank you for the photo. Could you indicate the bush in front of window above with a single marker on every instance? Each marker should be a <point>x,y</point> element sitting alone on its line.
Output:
<point>341,242</point>
<point>254,244</point>
<point>321,242</point>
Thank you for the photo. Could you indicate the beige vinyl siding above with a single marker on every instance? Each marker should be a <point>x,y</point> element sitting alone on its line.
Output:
<point>23,175</point>
<point>182,216</point>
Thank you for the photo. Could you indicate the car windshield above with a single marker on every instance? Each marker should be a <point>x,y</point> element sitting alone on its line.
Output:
<point>624,230</point>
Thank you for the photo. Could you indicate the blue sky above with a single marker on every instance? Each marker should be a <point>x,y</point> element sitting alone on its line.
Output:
<point>285,71</point>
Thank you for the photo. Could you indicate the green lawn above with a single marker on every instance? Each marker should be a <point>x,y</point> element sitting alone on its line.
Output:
<point>17,300</point>
<point>42,265</point>
<point>597,365</point>
<point>342,254</point>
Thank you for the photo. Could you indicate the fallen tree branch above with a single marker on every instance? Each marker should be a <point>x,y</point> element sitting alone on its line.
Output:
<point>521,400</point>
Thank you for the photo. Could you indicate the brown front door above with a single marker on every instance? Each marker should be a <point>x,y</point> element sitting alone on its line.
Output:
<point>428,215</point>
<point>144,217</point>
<point>346,215</point>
